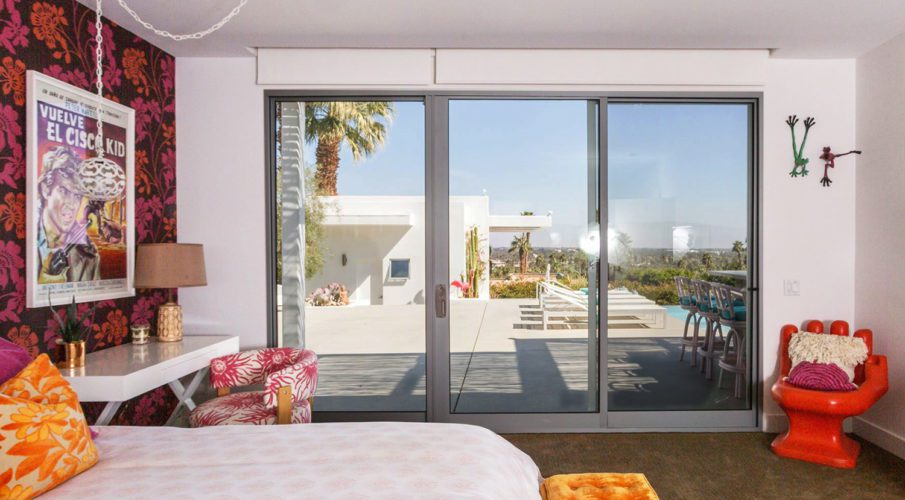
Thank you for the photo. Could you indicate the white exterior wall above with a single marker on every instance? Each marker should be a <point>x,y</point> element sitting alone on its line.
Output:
<point>221,115</point>
<point>369,249</point>
<point>370,245</point>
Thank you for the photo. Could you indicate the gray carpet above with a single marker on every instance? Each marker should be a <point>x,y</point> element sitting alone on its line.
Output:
<point>710,465</point>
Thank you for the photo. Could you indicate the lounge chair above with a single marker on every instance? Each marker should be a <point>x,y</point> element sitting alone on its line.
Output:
<point>558,300</point>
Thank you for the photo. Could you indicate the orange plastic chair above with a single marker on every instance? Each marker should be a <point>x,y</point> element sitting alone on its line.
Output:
<point>815,417</point>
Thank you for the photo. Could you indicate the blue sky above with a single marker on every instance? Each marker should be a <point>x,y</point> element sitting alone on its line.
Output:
<point>669,165</point>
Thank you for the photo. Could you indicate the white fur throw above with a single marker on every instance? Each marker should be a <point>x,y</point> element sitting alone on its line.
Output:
<point>842,351</point>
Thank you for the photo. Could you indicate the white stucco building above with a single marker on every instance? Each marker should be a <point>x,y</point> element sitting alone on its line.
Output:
<point>375,245</point>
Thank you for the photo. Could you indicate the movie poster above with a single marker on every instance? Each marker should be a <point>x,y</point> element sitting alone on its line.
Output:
<point>80,231</point>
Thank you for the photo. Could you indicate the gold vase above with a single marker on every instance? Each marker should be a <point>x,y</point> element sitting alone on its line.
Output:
<point>75,354</point>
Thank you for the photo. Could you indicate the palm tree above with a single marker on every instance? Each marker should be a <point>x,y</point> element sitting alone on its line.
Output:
<point>624,242</point>
<point>738,248</point>
<point>527,234</point>
<point>522,246</point>
<point>361,125</point>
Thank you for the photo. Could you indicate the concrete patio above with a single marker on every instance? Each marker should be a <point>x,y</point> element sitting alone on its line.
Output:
<point>502,360</point>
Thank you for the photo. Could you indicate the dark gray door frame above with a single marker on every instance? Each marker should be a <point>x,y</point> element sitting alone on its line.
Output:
<point>436,188</point>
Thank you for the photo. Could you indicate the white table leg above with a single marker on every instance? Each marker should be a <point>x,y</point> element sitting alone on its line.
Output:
<point>184,394</point>
<point>108,412</point>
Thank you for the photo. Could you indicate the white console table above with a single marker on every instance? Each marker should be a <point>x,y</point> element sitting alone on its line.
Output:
<point>123,372</point>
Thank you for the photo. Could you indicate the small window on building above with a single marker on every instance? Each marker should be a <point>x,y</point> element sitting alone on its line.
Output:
<point>399,269</point>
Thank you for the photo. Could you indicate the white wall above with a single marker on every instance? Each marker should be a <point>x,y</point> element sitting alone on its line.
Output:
<point>880,237</point>
<point>808,230</point>
<point>221,194</point>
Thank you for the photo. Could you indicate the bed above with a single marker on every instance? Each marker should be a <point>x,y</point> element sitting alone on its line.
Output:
<point>331,460</point>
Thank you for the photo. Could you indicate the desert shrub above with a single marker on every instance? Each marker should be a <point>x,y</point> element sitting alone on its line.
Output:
<point>513,290</point>
<point>574,282</point>
<point>661,293</point>
<point>656,275</point>
<point>333,294</point>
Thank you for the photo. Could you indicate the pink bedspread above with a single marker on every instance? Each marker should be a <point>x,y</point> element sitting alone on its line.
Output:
<point>337,460</point>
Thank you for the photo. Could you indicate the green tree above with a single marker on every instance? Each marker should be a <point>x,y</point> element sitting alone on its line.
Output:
<point>314,228</point>
<point>540,263</point>
<point>707,260</point>
<point>687,262</point>
<point>557,261</point>
<point>624,247</point>
<point>521,245</point>
<point>362,126</point>
<point>738,248</point>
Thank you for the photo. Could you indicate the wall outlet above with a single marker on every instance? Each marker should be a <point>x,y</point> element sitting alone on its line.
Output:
<point>791,288</point>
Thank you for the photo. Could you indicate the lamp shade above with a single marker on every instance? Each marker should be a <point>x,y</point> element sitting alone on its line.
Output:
<point>169,265</point>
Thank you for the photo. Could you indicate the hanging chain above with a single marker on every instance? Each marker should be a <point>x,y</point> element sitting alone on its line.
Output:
<point>99,73</point>
<point>190,36</point>
<point>99,38</point>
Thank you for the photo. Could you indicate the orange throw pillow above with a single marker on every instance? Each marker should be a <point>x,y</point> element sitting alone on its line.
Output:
<point>597,486</point>
<point>44,437</point>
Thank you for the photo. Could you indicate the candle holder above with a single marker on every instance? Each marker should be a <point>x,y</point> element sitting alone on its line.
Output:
<point>141,333</point>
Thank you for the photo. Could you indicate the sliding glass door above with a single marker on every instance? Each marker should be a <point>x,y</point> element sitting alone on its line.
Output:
<point>351,261</point>
<point>678,234</point>
<point>522,220</point>
<point>443,255</point>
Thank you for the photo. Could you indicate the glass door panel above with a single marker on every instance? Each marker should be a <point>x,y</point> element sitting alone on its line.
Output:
<point>523,249</point>
<point>352,261</point>
<point>678,226</point>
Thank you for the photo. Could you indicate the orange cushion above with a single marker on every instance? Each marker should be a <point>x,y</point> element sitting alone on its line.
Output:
<point>44,437</point>
<point>597,486</point>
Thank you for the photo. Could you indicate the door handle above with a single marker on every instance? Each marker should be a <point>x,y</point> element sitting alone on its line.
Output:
<point>440,301</point>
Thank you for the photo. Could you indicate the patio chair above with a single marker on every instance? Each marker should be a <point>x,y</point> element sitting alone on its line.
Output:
<point>556,299</point>
<point>289,377</point>
<point>713,333</point>
<point>688,301</point>
<point>734,316</point>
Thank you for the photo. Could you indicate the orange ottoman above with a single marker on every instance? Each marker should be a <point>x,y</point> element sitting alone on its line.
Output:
<point>597,485</point>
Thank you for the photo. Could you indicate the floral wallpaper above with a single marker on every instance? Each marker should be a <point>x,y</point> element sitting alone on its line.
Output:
<point>56,37</point>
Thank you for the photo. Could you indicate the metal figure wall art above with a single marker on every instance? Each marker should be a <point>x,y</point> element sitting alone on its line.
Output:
<point>829,161</point>
<point>798,151</point>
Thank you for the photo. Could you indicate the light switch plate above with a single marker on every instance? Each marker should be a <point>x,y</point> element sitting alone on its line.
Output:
<point>791,288</point>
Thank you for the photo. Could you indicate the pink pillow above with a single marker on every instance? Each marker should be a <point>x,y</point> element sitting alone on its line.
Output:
<point>820,377</point>
<point>12,360</point>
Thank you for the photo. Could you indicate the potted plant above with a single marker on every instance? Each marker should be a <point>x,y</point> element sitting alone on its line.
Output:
<point>72,334</point>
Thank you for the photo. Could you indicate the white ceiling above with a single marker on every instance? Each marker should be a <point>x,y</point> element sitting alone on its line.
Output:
<point>794,28</point>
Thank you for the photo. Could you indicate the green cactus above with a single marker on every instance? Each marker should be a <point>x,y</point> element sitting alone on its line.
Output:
<point>474,265</point>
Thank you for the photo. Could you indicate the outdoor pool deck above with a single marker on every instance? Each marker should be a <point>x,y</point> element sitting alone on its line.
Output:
<point>502,360</point>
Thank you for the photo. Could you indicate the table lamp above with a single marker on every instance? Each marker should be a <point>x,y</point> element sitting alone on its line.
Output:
<point>169,265</point>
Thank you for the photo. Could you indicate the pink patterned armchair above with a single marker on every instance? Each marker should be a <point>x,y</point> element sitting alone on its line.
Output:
<point>289,377</point>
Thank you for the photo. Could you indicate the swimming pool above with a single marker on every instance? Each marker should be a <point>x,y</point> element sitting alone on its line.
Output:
<point>676,312</point>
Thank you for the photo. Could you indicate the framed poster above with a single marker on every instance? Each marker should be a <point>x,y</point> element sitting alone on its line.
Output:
<point>79,219</point>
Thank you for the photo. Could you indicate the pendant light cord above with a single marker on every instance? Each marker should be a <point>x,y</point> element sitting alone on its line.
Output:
<point>99,73</point>
<point>190,36</point>
<point>99,38</point>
